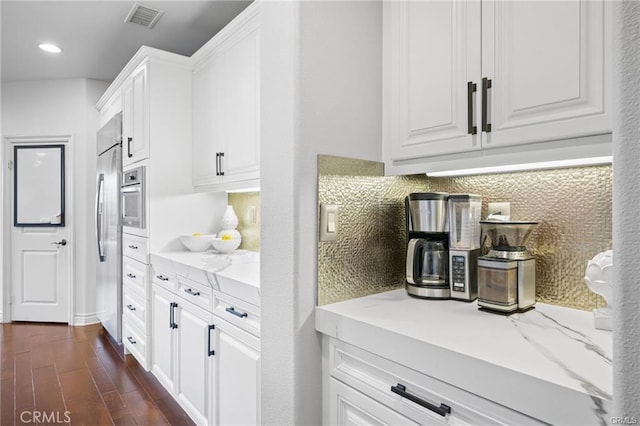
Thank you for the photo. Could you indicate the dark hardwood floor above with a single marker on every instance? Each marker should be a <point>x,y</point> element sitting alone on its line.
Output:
<point>53,374</point>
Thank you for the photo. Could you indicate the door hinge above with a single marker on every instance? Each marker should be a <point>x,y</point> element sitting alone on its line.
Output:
<point>10,165</point>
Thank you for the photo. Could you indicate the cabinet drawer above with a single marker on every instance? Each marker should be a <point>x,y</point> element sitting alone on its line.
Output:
<point>240,313</point>
<point>194,292</point>
<point>135,341</point>
<point>135,247</point>
<point>375,377</point>
<point>134,273</point>
<point>134,309</point>
<point>164,279</point>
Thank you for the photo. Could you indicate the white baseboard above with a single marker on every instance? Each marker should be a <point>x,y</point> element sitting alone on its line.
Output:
<point>1,317</point>
<point>85,319</point>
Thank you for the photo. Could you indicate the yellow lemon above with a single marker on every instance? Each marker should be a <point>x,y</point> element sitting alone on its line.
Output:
<point>196,234</point>
<point>225,237</point>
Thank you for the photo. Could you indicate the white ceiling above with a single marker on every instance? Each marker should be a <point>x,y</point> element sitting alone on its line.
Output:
<point>96,41</point>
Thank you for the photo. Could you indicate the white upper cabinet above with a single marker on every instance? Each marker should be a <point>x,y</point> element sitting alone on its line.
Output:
<point>472,76</point>
<point>434,65</point>
<point>549,69</point>
<point>135,117</point>
<point>226,106</point>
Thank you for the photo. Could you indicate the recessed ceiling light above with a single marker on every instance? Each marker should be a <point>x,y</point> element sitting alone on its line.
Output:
<point>51,48</point>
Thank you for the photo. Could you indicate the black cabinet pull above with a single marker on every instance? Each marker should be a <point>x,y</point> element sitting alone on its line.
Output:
<point>132,247</point>
<point>486,85</point>
<point>471,89</point>
<point>221,171</point>
<point>130,275</point>
<point>217,164</point>
<point>172,321</point>
<point>131,307</point>
<point>233,311</point>
<point>131,340</point>
<point>210,352</point>
<point>401,390</point>
<point>162,278</point>
<point>191,292</point>
<point>129,154</point>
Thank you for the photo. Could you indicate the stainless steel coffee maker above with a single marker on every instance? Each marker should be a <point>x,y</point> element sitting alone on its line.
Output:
<point>427,267</point>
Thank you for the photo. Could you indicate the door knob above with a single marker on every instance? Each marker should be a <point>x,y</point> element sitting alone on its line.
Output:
<point>60,243</point>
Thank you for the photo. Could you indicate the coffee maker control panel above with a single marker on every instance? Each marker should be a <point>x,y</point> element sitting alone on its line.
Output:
<point>458,277</point>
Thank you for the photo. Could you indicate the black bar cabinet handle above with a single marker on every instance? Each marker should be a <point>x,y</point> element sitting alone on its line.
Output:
<point>191,292</point>
<point>210,352</point>
<point>131,307</point>
<point>486,85</point>
<point>131,340</point>
<point>401,390</point>
<point>172,321</point>
<point>471,89</point>
<point>221,171</point>
<point>162,278</point>
<point>129,154</point>
<point>217,164</point>
<point>133,247</point>
<point>130,275</point>
<point>233,311</point>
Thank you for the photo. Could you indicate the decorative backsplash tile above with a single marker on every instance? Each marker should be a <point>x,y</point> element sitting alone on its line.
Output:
<point>247,208</point>
<point>572,206</point>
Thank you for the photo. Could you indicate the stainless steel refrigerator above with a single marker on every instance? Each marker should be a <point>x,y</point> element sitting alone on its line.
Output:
<point>109,228</point>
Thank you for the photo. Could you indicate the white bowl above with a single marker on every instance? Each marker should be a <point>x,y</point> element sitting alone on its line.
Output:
<point>226,246</point>
<point>197,242</point>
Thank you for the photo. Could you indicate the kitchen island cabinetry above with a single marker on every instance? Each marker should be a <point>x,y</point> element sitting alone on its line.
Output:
<point>468,80</point>
<point>226,106</point>
<point>446,361</point>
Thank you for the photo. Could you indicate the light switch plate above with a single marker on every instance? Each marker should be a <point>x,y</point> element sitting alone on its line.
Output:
<point>329,222</point>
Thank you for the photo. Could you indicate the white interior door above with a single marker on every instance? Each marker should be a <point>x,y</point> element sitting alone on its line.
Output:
<point>40,246</point>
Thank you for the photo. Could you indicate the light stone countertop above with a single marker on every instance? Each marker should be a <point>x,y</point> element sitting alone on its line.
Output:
<point>549,363</point>
<point>237,273</point>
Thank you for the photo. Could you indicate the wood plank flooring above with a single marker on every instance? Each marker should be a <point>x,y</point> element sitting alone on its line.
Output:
<point>52,373</point>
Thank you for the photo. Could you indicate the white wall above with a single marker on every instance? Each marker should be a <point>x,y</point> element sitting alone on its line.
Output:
<point>626,204</point>
<point>64,107</point>
<point>321,70</point>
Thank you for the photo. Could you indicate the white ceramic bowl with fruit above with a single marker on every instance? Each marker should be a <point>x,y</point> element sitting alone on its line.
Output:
<point>197,241</point>
<point>227,241</point>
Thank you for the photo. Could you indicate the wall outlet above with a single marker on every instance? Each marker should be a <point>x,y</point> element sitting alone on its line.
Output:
<point>502,209</point>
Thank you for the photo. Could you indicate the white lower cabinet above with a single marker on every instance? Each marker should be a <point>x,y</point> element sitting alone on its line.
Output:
<point>363,388</point>
<point>208,364</point>
<point>236,388</point>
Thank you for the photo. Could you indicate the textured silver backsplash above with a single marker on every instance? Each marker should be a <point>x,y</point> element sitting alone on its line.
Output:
<point>247,208</point>
<point>572,206</point>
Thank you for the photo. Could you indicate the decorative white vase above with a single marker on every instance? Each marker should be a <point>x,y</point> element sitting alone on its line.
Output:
<point>229,219</point>
<point>598,277</point>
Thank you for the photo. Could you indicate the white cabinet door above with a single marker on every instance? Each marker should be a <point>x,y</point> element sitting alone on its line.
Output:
<point>226,106</point>
<point>208,121</point>
<point>349,407</point>
<point>135,118</point>
<point>236,394</point>
<point>548,63</point>
<point>433,63</point>
<point>241,74</point>
<point>163,337</point>
<point>194,360</point>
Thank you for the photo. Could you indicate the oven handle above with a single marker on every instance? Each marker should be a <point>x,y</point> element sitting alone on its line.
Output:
<point>131,188</point>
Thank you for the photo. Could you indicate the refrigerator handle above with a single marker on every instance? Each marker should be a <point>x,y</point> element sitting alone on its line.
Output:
<point>99,207</point>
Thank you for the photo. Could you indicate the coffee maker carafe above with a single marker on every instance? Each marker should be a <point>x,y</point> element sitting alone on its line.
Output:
<point>427,267</point>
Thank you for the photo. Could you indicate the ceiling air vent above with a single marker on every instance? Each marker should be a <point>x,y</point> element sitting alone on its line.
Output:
<point>143,15</point>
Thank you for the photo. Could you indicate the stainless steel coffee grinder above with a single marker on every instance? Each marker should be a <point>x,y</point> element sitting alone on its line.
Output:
<point>427,266</point>
<point>464,245</point>
<point>507,274</point>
